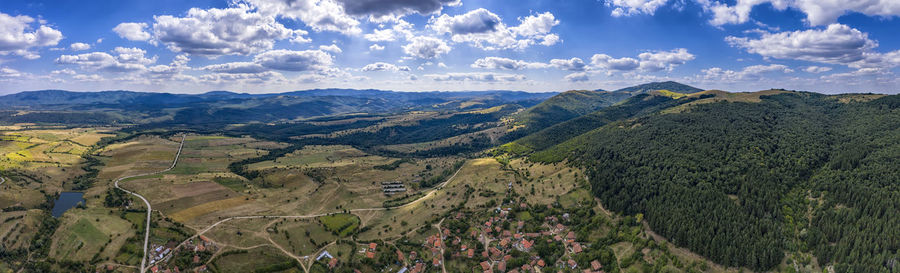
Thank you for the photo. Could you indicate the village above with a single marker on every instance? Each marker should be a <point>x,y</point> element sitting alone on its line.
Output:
<point>499,243</point>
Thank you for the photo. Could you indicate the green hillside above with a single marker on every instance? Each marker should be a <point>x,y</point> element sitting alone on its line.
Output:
<point>751,183</point>
<point>654,86</point>
<point>634,106</point>
<point>566,106</point>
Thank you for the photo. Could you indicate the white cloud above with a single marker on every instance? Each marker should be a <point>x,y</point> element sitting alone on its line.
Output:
<point>837,44</point>
<point>647,62</point>
<point>132,31</point>
<point>307,60</point>
<point>609,63</point>
<point>577,77</point>
<point>633,7</point>
<point>818,12</point>
<point>476,77</point>
<point>750,73</point>
<point>426,47</point>
<point>229,31</point>
<point>331,48</point>
<point>817,69</point>
<point>382,66</point>
<point>376,47</point>
<point>320,15</point>
<point>79,46</point>
<point>6,72</point>
<point>550,39</point>
<point>664,60</point>
<point>400,29</point>
<point>573,64</point>
<point>126,60</point>
<point>506,64</point>
<point>394,8</point>
<point>235,68</point>
<point>18,37</point>
<point>267,77</point>
<point>484,29</point>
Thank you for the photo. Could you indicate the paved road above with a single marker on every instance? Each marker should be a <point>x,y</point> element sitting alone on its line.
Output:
<point>2,179</point>
<point>147,226</point>
<point>432,192</point>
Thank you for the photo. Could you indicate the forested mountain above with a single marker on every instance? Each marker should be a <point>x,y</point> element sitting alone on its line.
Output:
<point>640,104</point>
<point>653,86</point>
<point>566,106</point>
<point>750,179</point>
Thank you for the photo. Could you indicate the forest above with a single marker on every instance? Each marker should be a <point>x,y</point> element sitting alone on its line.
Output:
<point>745,183</point>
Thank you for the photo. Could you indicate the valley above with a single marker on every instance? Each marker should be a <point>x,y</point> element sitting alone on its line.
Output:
<point>661,177</point>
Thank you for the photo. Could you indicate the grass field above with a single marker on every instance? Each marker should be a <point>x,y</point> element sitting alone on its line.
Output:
<point>84,233</point>
<point>249,260</point>
<point>342,224</point>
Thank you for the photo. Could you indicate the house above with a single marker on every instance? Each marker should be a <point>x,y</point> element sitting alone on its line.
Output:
<point>572,264</point>
<point>485,265</point>
<point>332,263</point>
<point>400,256</point>
<point>372,246</point>
<point>571,235</point>
<point>370,254</point>
<point>541,263</point>
<point>595,265</point>
<point>576,247</point>
<point>471,253</point>
<point>436,261</point>
<point>196,259</point>
<point>501,267</point>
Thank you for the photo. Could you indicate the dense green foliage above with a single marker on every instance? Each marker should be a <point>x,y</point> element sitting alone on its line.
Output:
<point>638,105</point>
<point>669,85</point>
<point>743,183</point>
<point>566,106</point>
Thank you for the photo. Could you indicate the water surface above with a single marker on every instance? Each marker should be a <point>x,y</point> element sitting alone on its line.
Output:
<point>66,201</point>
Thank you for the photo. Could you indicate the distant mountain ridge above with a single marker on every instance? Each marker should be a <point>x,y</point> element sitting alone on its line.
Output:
<point>667,85</point>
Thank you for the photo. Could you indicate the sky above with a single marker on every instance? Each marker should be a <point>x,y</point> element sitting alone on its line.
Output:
<point>265,46</point>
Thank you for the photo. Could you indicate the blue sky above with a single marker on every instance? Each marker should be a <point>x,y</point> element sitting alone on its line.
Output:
<point>260,46</point>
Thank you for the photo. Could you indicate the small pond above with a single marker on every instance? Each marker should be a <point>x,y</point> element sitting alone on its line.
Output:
<point>66,201</point>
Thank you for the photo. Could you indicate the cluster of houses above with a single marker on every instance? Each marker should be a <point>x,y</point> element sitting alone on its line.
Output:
<point>498,242</point>
<point>392,187</point>
<point>161,255</point>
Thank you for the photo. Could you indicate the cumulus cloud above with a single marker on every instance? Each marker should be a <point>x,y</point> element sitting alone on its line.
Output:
<point>132,31</point>
<point>394,8</point>
<point>817,12</point>
<point>836,44</point>
<point>235,68</point>
<point>267,77</point>
<point>484,29</point>
<point>817,69</point>
<point>400,29</point>
<point>382,66</point>
<point>633,7</point>
<point>573,64</point>
<point>214,32</point>
<point>577,77</point>
<point>476,77</point>
<point>647,62</point>
<point>426,47</point>
<point>79,46</point>
<point>376,47</point>
<point>613,64</point>
<point>319,15</point>
<point>289,60</point>
<point>125,60</point>
<point>505,64</point>
<point>19,37</point>
<point>331,48</point>
<point>6,72</point>
<point>754,73</point>
<point>664,60</point>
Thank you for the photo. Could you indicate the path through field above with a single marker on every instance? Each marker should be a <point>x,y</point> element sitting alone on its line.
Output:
<point>149,210</point>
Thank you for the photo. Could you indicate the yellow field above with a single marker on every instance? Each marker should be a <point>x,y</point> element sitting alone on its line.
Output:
<point>206,208</point>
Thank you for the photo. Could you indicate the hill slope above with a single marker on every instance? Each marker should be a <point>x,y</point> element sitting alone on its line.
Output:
<point>669,85</point>
<point>744,183</point>
<point>566,106</point>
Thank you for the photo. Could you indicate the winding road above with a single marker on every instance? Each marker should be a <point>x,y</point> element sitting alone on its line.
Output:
<point>207,229</point>
<point>147,226</point>
<point>2,179</point>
